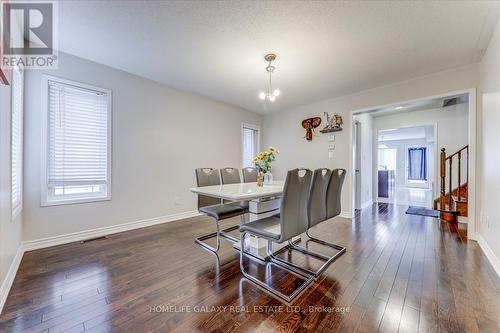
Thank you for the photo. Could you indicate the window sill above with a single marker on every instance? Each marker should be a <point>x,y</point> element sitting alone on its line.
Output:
<point>73,201</point>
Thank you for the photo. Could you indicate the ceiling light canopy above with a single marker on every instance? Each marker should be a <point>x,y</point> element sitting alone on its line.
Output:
<point>270,94</point>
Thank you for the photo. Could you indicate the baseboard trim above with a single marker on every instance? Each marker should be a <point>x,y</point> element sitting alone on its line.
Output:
<point>366,204</point>
<point>11,275</point>
<point>99,232</point>
<point>346,214</point>
<point>79,236</point>
<point>488,252</point>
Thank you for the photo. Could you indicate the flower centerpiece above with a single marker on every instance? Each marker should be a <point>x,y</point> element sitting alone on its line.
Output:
<point>263,164</point>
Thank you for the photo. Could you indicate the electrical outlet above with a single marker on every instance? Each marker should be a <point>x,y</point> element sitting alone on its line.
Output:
<point>331,138</point>
<point>177,200</point>
<point>330,154</point>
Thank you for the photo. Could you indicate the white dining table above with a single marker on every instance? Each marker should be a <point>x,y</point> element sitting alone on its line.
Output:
<point>241,191</point>
<point>264,201</point>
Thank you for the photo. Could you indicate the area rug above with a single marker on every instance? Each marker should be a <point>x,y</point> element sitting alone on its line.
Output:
<point>422,211</point>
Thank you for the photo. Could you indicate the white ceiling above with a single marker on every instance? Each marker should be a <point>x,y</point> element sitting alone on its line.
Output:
<point>408,133</point>
<point>325,49</point>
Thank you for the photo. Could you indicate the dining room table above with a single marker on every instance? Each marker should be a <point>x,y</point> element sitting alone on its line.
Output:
<point>264,201</point>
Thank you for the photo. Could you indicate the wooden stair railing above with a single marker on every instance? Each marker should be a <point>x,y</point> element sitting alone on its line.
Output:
<point>447,203</point>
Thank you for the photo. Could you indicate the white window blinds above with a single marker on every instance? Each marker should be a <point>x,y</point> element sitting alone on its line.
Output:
<point>77,148</point>
<point>250,145</point>
<point>17,140</point>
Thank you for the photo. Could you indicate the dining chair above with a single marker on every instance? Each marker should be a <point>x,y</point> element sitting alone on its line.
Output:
<point>317,213</point>
<point>249,175</point>
<point>333,208</point>
<point>232,176</point>
<point>213,208</point>
<point>292,222</point>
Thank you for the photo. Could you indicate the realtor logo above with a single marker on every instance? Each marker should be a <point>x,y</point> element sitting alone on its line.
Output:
<point>29,34</point>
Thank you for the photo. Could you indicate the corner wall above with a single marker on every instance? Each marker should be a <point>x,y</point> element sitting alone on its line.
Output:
<point>489,153</point>
<point>10,230</point>
<point>366,126</point>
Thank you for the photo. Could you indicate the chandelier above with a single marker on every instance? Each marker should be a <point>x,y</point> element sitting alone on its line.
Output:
<point>270,94</point>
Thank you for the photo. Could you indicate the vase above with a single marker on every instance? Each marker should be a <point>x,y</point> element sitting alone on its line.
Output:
<point>260,179</point>
<point>268,178</point>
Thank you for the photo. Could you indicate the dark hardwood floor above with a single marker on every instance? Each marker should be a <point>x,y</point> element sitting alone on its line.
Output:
<point>400,273</point>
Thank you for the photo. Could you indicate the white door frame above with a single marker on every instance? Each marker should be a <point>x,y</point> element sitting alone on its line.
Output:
<point>472,131</point>
<point>356,126</point>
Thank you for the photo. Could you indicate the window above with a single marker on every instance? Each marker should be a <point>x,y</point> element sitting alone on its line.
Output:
<point>17,141</point>
<point>76,139</point>
<point>417,164</point>
<point>250,136</point>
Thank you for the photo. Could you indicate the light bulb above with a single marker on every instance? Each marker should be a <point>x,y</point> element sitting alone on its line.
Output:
<point>262,96</point>
<point>272,98</point>
<point>276,92</point>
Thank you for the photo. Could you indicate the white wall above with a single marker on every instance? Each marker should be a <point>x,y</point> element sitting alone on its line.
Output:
<point>366,126</point>
<point>489,153</point>
<point>10,231</point>
<point>283,129</point>
<point>452,130</point>
<point>160,135</point>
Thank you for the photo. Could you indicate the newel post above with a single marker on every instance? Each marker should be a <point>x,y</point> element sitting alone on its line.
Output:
<point>443,178</point>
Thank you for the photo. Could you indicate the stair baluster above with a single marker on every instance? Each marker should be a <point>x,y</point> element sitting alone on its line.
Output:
<point>447,204</point>
<point>459,179</point>
<point>450,182</point>
<point>443,179</point>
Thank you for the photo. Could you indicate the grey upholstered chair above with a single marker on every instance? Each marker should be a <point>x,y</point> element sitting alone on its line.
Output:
<point>333,203</point>
<point>292,222</point>
<point>333,208</point>
<point>232,176</point>
<point>249,175</point>
<point>213,208</point>
<point>324,182</point>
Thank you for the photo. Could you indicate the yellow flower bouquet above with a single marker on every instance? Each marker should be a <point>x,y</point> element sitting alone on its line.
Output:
<point>264,159</point>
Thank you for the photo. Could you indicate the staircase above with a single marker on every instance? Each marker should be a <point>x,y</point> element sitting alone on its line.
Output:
<point>452,202</point>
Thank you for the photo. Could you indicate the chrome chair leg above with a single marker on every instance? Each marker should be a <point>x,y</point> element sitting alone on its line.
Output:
<point>219,233</point>
<point>320,241</point>
<point>290,246</point>
<point>272,291</point>
<point>327,259</point>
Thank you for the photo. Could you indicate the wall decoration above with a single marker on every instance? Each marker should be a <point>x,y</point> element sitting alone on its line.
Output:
<point>309,125</point>
<point>333,124</point>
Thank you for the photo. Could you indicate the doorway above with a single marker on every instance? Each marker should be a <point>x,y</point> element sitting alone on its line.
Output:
<point>405,165</point>
<point>464,100</point>
<point>357,162</point>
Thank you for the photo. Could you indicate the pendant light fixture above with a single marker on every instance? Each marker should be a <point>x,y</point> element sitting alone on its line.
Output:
<point>382,145</point>
<point>270,94</point>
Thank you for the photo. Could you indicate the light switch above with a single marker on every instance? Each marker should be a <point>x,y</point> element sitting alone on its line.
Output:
<point>330,154</point>
<point>331,147</point>
<point>331,137</point>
